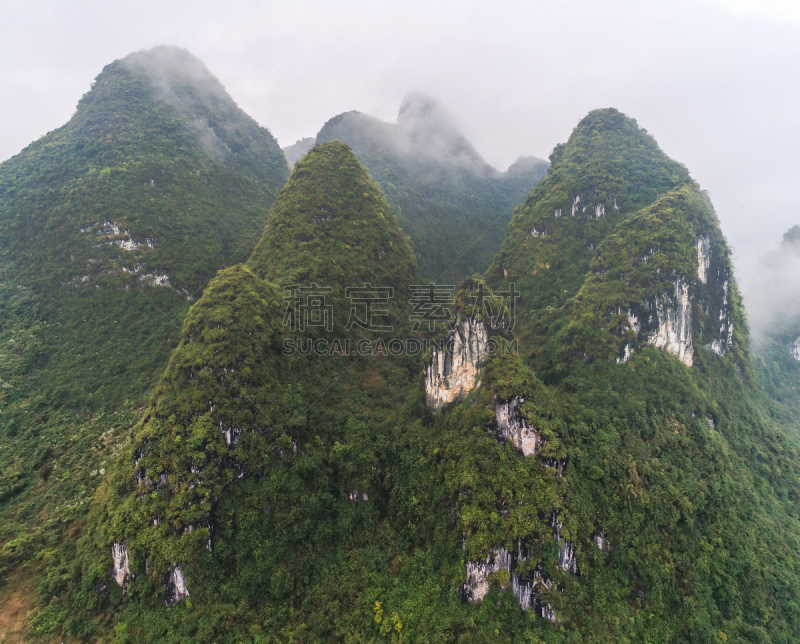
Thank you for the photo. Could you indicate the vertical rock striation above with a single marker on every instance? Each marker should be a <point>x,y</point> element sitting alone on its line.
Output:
<point>526,590</point>
<point>794,349</point>
<point>455,368</point>
<point>119,553</point>
<point>511,426</point>
<point>674,318</point>
<point>176,586</point>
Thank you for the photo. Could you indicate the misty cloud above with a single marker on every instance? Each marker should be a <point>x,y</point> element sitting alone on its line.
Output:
<point>713,82</point>
<point>773,300</point>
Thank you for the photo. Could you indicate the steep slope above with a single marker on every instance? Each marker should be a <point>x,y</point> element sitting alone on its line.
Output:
<point>120,216</point>
<point>675,473</point>
<point>332,226</point>
<point>109,227</point>
<point>450,202</point>
<point>609,169</point>
<point>256,467</point>
<point>618,478</point>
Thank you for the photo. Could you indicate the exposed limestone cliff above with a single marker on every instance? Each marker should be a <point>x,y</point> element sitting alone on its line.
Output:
<point>524,589</point>
<point>511,426</point>
<point>566,549</point>
<point>703,258</point>
<point>454,371</point>
<point>669,322</point>
<point>725,337</point>
<point>119,553</point>
<point>674,315</point>
<point>795,348</point>
<point>666,323</point>
<point>176,586</point>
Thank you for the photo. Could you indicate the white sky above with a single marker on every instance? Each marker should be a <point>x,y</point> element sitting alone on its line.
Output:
<point>717,83</point>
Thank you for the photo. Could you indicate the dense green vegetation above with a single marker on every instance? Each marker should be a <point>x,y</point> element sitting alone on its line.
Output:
<point>315,498</point>
<point>109,227</point>
<point>187,179</point>
<point>51,459</point>
<point>449,201</point>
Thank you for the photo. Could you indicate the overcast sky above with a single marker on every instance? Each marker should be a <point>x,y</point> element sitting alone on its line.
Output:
<point>717,83</point>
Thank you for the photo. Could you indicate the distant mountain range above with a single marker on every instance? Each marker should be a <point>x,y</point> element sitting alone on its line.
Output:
<point>452,204</point>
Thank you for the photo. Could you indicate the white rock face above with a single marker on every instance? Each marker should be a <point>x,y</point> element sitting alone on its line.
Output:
<point>566,549</point>
<point>116,236</point>
<point>674,333</point>
<point>795,349</point>
<point>155,279</point>
<point>477,585</point>
<point>176,586</point>
<point>119,553</point>
<point>451,374</point>
<point>720,344</point>
<point>576,205</point>
<point>703,258</point>
<point>635,325</point>
<point>512,427</point>
<point>230,433</point>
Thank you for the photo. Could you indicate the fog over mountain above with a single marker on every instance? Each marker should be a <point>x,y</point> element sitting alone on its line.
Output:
<point>402,380</point>
<point>448,199</point>
<point>710,80</point>
<point>773,299</point>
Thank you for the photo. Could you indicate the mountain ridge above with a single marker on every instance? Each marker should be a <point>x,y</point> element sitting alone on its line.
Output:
<point>584,452</point>
<point>451,203</point>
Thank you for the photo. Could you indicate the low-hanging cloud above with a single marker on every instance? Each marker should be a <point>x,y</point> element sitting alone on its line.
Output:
<point>773,299</point>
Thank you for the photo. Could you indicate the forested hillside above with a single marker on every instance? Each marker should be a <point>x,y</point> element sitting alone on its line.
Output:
<point>110,228</point>
<point>587,454</point>
<point>118,219</point>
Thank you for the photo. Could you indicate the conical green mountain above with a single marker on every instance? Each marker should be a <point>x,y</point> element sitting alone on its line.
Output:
<point>608,170</point>
<point>598,461</point>
<point>453,205</point>
<point>331,225</point>
<point>110,227</point>
<point>675,475</point>
<point>119,217</point>
<point>256,468</point>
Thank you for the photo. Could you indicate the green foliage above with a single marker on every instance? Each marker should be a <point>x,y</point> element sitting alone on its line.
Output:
<point>450,202</point>
<point>640,261</point>
<point>185,176</point>
<point>332,226</point>
<point>314,498</point>
<point>609,162</point>
<point>157,174</point>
